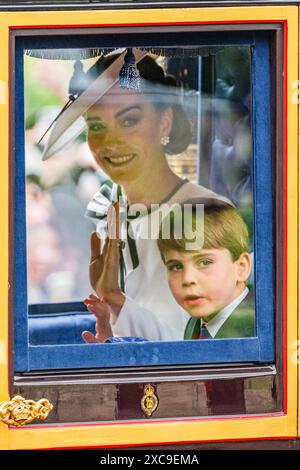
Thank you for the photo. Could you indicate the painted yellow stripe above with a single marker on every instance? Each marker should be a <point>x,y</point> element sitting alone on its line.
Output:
<point>179,15</point>
<point>126,434</point>
<point>297,343</point>
<point>4,165</point>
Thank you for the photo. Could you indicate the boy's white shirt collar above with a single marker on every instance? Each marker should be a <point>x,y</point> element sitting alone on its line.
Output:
<point>215,323</point>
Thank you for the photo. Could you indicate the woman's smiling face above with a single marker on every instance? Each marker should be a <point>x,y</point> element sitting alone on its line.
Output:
<point>124,134</point>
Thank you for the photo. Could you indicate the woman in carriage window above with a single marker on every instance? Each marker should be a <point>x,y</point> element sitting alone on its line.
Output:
<point>135,117</point>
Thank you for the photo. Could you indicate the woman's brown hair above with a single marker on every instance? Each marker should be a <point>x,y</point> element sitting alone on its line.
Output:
<point>154,80</point>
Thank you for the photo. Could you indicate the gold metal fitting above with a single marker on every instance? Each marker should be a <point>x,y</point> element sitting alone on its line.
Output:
<point>149,401</point>
<point>20,411</point>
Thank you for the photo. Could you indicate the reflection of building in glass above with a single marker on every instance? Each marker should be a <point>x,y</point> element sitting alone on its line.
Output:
<point>185,164</point>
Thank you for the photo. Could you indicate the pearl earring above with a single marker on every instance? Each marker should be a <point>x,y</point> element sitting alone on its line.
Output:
<point>165,140</point>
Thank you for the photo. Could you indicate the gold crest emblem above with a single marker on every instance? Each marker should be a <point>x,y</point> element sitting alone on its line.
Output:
<point>19,411</point>
<point>149,401</point>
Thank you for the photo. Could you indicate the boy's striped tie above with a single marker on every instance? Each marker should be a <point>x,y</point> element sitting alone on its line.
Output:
<point>204,333</point>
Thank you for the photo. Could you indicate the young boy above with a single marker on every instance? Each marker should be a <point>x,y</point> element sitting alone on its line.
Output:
<point>209,282</point>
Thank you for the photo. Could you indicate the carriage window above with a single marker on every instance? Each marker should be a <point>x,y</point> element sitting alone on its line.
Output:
<point>144,195</point>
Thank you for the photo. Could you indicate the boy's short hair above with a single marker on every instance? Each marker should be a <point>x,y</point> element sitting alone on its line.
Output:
<point>223,227</point>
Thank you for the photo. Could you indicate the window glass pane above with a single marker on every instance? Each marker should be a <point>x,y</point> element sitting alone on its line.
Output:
<point>186,132</point>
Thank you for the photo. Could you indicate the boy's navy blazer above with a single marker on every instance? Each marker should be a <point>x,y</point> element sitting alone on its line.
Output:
<point>240,324</point>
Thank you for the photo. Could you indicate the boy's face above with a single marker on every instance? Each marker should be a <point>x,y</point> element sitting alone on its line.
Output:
<point>205,281</point>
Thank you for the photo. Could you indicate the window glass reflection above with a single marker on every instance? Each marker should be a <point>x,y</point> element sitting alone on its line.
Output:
<point>186,135</point>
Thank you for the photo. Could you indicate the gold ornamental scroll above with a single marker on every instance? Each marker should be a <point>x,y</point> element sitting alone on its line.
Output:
<point>20,411</point>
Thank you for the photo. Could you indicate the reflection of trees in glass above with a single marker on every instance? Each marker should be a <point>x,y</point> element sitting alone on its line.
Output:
<point>43,90</point>
<point>57,192</point>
